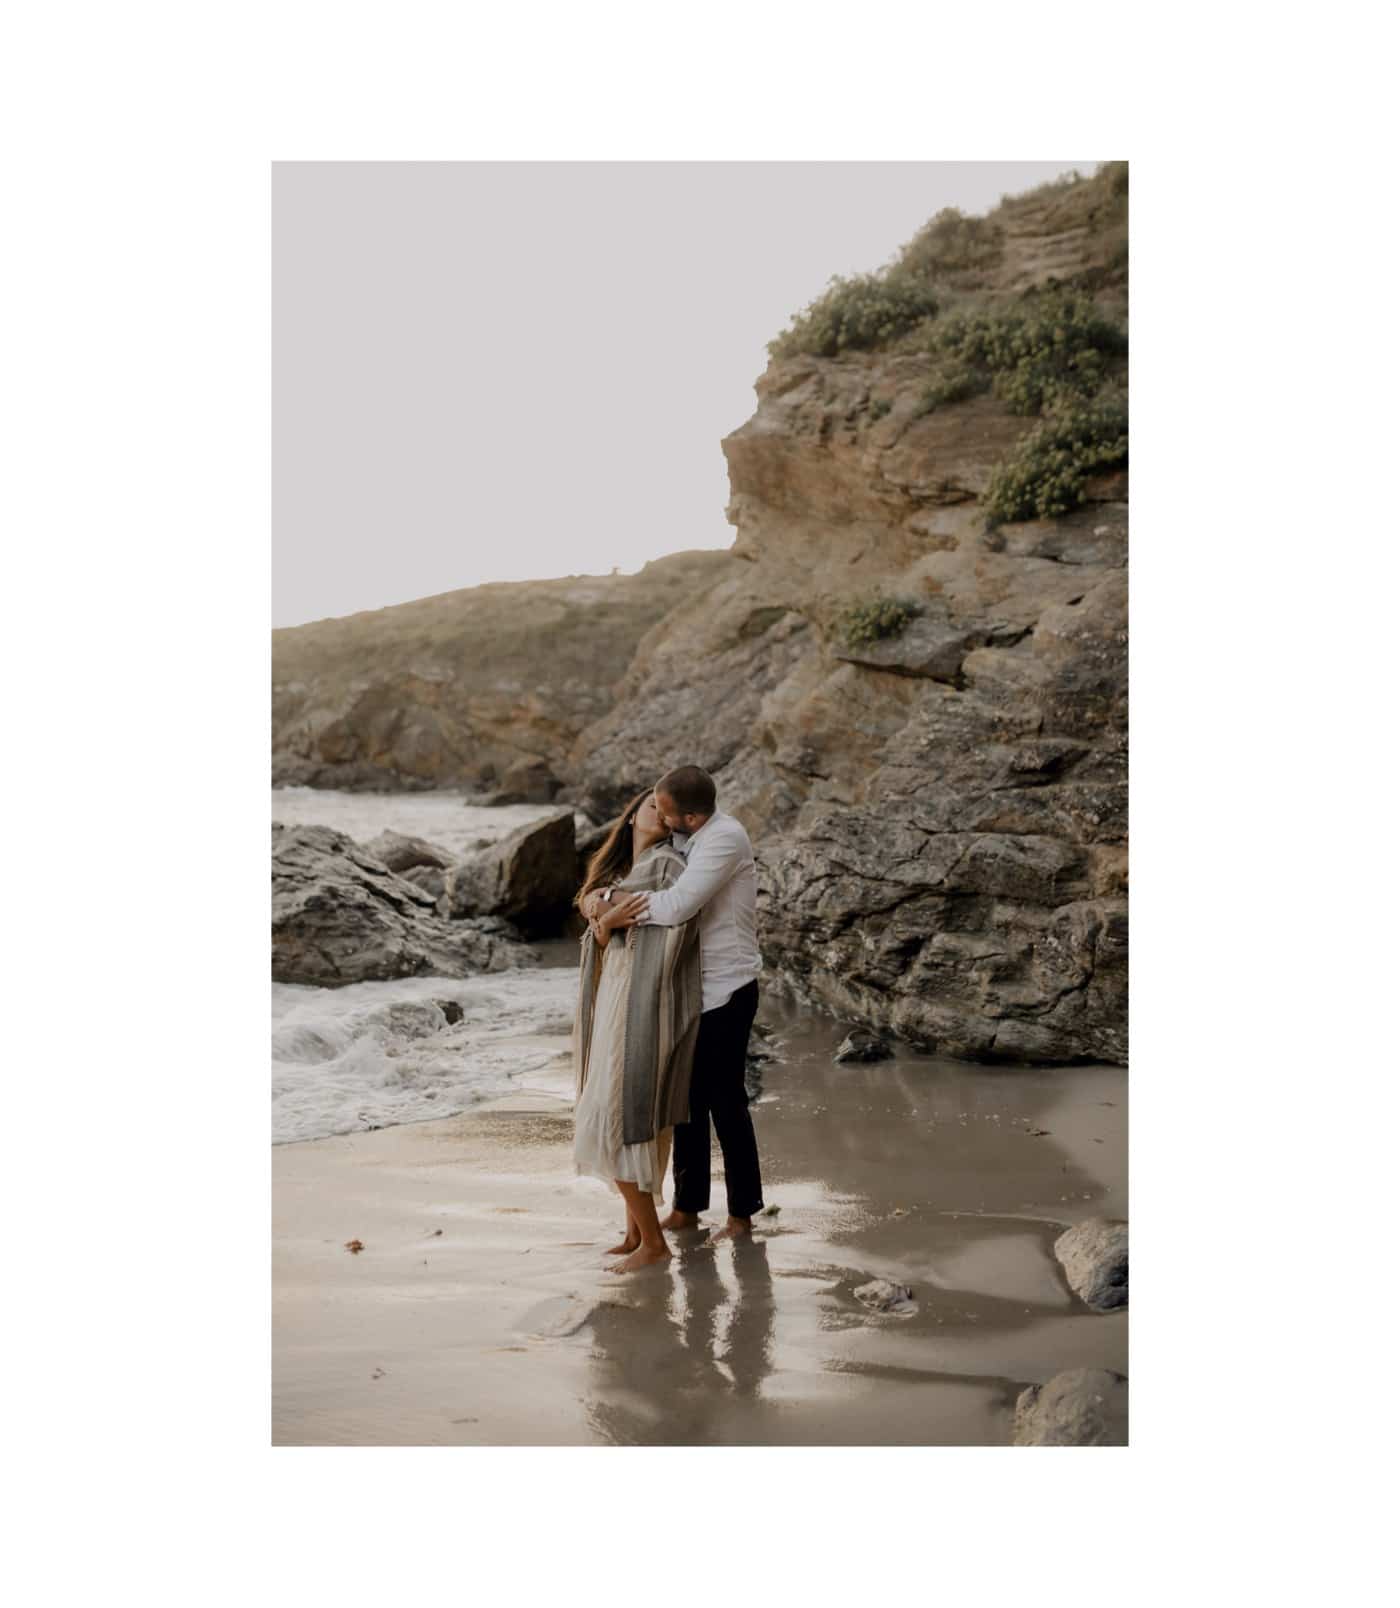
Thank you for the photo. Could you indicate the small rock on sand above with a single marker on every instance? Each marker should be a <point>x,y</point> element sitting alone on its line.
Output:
<point>1094,1255</point>
<point>881,1295</point>
<point>1080,1407</point>
<point>860,1044</point>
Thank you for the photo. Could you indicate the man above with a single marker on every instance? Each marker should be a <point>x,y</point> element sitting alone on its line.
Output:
<point>719,882</point>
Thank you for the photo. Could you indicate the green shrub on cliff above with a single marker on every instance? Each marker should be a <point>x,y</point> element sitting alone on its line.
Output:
<point>855,314</point>
<point>1045,474</point>
<point>951,243</point>
<point>874,618</point>
<point>1057,348</point>
<point>955,384</point>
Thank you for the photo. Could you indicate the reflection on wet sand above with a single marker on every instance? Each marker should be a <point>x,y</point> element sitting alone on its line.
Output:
<point>686,1347</point>
<point>951,1178</point>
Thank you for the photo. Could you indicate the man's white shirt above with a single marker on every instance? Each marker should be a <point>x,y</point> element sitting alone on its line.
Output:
<point>720,883</point>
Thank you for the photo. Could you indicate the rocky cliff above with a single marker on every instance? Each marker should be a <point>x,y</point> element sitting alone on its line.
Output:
<point>916,704</point>
<point>909,674</point>
<point>485,688</point>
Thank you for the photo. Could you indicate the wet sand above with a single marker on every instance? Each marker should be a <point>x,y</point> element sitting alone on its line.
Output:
<point>480,1311</point>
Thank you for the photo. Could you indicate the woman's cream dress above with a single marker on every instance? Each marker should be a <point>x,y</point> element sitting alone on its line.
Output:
<point>598,1148</point>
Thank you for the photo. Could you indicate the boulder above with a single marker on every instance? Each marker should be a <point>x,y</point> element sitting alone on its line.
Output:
<point>860,1044</point>
<point>429,878</point>
<point>1080,1407</point>
<point>341,916</point>
<point>1094,1255</point>
<point>528,878</point>
<point>401,853</point>
<point>529,781</point>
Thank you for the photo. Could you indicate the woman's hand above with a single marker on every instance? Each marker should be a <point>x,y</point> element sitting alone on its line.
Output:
<point>616,912</point>
<point>607,917</point>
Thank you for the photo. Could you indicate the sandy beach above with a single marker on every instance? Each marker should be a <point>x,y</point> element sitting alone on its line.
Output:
<point>480,1310</point>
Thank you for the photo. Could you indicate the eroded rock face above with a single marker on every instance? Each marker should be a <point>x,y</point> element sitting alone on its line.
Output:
<point>941,838</point>
<point>1094,1255</point>
<point>341,916</point>
<point>467,689</point>
<point>1080,1407</point>
<point>528,878</point>
<point>939,818</point>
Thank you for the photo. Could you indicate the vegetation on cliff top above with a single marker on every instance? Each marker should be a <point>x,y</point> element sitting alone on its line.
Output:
<point>952,253</point>
<point>1057,347</point>
<point>976,297</point>
<point>856,314</point>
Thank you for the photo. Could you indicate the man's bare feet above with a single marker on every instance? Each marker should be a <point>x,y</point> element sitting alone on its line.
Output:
<point>643,1256</point>
<point>734,1228</point>
<point>681,1220</point>
<point>631,1242</point>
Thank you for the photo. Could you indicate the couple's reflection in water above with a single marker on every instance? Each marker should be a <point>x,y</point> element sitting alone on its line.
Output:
<point>680,1352</point>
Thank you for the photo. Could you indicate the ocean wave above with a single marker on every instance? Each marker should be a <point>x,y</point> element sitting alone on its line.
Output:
<point>375,1054</point>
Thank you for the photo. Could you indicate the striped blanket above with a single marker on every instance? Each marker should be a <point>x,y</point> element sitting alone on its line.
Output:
<point>663,1007</point>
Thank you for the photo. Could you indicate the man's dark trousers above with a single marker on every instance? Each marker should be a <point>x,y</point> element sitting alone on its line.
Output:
<point>717,1090</point>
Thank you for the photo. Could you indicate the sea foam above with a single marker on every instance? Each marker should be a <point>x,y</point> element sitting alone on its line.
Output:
<point>374,1054</point>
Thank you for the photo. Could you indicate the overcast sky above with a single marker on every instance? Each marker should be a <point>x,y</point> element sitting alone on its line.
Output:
<point>493,371</point>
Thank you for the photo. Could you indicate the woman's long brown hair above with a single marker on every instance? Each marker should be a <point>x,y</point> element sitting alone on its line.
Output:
<point>614,860</point>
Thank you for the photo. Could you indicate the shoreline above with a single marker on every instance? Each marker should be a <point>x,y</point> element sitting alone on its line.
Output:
<point>480,1311</point>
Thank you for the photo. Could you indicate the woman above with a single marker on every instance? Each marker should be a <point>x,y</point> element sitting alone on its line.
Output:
<point>634,1031</point>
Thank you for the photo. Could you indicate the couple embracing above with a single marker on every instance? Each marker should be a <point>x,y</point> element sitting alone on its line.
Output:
<point>667,994</point>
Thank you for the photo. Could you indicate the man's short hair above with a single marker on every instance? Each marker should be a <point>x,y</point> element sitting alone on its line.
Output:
<point>690,789</point>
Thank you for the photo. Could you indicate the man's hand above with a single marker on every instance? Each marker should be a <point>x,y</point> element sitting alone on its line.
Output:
<point>627,912</point>
<point>615,912</point>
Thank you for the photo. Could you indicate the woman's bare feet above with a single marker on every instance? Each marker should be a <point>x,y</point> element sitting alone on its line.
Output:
<point>681,1220</point>
<point>631,1243</point>
<point>643,1256</point>
<point>734,1228</point>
